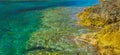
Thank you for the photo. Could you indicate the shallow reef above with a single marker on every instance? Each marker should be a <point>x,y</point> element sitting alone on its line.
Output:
<point>57,34</point>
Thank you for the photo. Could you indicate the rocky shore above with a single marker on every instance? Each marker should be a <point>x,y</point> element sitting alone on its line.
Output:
<point>105,20</point>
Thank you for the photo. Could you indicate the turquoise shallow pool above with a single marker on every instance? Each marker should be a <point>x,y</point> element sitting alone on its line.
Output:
<point>19,20</point>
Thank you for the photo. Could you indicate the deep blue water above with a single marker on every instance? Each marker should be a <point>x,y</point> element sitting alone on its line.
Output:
<point>16,7</point>
<point>19,19</point>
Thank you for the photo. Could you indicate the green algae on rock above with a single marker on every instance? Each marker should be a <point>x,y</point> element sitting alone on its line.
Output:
<point>56,35</point>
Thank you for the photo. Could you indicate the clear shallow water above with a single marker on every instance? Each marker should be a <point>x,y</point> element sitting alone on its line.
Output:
<point>19,19</point>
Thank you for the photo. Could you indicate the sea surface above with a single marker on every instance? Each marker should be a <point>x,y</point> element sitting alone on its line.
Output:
<point>18,20</point>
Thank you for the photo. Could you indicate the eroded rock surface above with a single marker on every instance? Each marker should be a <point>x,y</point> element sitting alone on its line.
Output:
<point>105,19</point>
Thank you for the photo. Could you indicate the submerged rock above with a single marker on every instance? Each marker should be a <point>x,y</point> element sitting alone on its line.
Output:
<point>57,33</point>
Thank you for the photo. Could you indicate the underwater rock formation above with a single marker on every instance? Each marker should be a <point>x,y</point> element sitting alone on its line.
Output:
<point>56,34</point>
<point>105,20</point>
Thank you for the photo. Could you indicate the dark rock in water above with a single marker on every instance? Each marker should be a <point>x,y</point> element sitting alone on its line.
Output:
<point>42,48</point>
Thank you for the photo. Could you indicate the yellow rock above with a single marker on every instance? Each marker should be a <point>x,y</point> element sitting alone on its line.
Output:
<point>107,38</point>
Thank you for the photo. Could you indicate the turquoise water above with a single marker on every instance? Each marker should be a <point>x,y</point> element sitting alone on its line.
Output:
<point>19,19</point>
